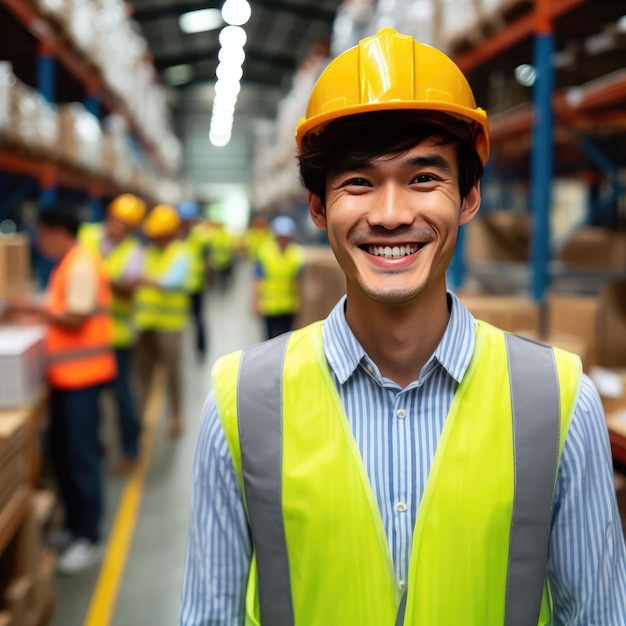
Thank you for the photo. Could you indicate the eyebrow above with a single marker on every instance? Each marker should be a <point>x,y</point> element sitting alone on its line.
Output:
<point>430,160</point>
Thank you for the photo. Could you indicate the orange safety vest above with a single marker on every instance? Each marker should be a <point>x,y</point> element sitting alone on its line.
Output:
<point>84,357</point>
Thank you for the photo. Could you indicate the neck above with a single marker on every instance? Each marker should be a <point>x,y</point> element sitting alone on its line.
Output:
<point>66,247</point>
<point>399,338</point>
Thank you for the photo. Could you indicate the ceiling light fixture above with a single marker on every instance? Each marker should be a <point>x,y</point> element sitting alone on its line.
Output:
<point>200,21</point>
<point>236,12</point>
<point>233,37</point>
<point>178,74</point>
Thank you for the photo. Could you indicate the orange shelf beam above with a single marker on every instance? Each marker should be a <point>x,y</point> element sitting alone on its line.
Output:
<point>515,33</point>
<point>18,164</point>
<point>570,105</point>
<point>605,92</point>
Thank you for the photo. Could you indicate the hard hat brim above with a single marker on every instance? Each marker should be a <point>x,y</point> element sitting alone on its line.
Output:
<point>475,118</point>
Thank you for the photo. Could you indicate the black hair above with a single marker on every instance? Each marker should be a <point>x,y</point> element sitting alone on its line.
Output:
<point>360,138</point>
<point>58,217</point>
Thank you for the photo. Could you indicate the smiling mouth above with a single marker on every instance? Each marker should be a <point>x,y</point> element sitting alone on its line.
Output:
<point>393,252</point>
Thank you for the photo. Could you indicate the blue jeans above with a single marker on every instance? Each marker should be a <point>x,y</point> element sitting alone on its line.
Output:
<point>126,411</point>
<point>197,310</point>
<point>76,457</point>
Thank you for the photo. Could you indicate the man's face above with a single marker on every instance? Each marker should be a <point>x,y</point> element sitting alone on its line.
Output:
<point>116,229</point>
<point>393,222</point>
<point>51,241</point>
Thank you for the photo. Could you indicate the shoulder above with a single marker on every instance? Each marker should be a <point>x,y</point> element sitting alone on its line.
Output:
<point>588,426</point>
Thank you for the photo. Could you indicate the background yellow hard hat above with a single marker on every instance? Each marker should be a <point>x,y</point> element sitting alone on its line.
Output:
<point>128,208</point>
<point>390,71</point>
<point>162,221</point>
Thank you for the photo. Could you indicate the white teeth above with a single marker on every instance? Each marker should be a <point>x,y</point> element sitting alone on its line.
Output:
<point>396,252</point>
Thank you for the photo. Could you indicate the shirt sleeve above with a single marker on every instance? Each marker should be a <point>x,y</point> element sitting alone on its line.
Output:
<point>219,549</point>
<point>178,273</point>
<point>81,297</point>
<point>134,268</point>
<point>587,558</point>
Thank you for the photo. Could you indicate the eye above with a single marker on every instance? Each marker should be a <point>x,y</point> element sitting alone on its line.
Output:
<point>424,178</point>
<point>356,182</point>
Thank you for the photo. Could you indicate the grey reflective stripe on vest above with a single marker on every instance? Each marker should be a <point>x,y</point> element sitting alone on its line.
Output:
<point>536,407</point>
<point>260,411</point>
<point>536,421</point>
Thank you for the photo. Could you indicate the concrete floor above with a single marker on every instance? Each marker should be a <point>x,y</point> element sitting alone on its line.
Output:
<point>149,592</point>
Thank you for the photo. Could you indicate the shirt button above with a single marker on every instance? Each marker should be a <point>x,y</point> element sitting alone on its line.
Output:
<point>369,368</point>
<point>401,507</point>
<point>401,413</point>
<point>402,585</point>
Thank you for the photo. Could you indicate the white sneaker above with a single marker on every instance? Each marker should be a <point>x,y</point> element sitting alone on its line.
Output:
<point>79,556</point>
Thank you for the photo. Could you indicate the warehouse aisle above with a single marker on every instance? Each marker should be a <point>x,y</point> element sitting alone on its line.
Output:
<point>148,588</point>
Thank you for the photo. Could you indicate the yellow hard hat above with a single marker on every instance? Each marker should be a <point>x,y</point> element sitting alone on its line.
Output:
<point>162,221</point>
<point>390,71</point>
<point>128,208</point>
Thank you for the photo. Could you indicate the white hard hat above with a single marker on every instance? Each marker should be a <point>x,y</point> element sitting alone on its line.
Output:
<point>283,226</point>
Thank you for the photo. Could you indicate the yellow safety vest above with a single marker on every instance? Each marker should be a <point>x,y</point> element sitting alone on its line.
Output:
<point>115,262</point>
<point>254,239</point>
<point>222,248</point>
<point>278,290</point>
<point>162,309</point>
<point>198,242</point>
<point>320,551</point>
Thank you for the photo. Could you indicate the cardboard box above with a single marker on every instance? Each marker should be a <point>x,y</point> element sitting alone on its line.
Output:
<point>15,598</point>
<point>595,248</point>
<point>13,428</point>
<point>323,284</point>
<point>15,267</point>
<point>42,597</point>
<point>575,316</point>
<point>22,365</point>
<point>512,313</point>
<point>612,324</point>
<point>498,236</point>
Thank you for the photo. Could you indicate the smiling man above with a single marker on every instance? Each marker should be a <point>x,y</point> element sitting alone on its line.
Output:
<point>400,462</point>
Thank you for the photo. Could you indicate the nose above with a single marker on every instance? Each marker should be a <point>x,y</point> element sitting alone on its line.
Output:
<point>390,208</point>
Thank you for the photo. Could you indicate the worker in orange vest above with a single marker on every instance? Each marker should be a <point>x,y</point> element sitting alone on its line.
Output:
<point>80,361</point>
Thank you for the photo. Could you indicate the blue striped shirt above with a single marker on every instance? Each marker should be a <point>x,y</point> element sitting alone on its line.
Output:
<point>397,431</point>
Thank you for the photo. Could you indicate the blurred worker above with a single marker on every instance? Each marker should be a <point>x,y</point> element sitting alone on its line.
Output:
<point>113,240</point>
<point>276,285</point>
<point>401,462</point>
<point>223,248</point>
<point>162,309</point>
<point>80,361</point>
<point>197,236</point>
<point>257,233</point>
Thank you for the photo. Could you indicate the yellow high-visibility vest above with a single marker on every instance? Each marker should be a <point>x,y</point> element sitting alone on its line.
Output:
<point>278,291</point>
<point>320,551</point>
<point>198,242</point>
<point>157,308</point>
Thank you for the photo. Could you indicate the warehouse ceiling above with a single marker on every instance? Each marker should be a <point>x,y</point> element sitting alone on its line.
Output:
<point>280,34</point>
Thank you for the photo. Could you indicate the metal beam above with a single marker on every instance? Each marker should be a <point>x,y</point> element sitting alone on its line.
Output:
<point>312,13</point>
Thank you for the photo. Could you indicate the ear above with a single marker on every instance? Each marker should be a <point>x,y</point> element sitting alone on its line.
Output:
<point>470,204</point>
<point>317,210</point>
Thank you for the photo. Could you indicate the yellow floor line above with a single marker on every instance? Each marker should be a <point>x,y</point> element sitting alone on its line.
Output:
<point>104,598</point>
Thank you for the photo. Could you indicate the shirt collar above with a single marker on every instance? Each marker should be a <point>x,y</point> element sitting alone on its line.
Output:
<point>344,353</point>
